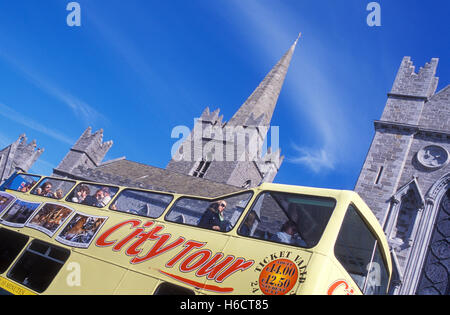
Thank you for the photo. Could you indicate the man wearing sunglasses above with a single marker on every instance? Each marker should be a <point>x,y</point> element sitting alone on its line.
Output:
<point>213,217</point>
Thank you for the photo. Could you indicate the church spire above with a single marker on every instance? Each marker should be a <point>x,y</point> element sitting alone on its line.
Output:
<point>259,107</point>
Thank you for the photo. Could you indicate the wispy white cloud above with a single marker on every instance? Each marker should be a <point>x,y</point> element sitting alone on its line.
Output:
<point>80,108</point>
<point>316,160</point>
<point>320,107</point>
<point>19,118</point>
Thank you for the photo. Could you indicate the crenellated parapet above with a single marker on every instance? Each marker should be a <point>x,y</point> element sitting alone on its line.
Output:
<point>269,165</point>
<point>88,151</point>
<point>18,156</point>
<point>26,154</point>
<point>409,83</point>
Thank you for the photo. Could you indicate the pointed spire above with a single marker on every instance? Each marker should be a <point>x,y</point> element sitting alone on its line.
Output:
<point>261,104</point>
<point>298,37</point>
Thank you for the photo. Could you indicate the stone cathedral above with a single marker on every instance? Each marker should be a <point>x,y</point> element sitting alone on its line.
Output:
<point>405,179</point>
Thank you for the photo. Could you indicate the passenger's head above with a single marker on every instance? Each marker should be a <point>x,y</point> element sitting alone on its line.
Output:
<point>219,205</point>
<point>106,191</point>
<point>59,193</point>
<point>47,186</point>
<point>251,218</point>
<point>84,190</point>
<point>99,194</point>
<point>289,227</point>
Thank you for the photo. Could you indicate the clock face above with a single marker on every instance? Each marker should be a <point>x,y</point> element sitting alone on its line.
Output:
<point>433,156</point>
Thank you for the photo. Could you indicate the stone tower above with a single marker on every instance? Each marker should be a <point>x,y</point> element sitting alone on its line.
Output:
<point>89,151</point>
<point>233,152</point>
<point>406,178</point>
<point>18,156</point>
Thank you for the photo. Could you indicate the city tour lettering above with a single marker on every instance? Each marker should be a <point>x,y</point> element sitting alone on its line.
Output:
<point>190,255</point>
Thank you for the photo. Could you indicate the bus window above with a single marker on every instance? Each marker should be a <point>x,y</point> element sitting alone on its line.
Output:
<point>219,215</point>
<point>144,203</point>
<point>22,182</point>
<point>11,244</point>
<point>53,188</point>
<point>92,194</point>
<point>38,265</point>
<point>378,276</point>
<point>287,218</point>
<point>356,249</point>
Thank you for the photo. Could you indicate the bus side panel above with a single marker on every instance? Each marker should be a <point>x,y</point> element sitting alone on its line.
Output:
<point>339,281</point>
<point>137,284</point>
<point>326,278</point>
<point>86,275</point>
<point>319,270</point>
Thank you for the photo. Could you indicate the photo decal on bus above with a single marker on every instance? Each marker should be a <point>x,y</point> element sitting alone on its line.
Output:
<point>81,230</point>
<point>5,200</point>
<point>19,213</point>
<point>50,218</point>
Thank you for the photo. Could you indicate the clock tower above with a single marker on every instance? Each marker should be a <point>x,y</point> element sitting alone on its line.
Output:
<point>405,179</point>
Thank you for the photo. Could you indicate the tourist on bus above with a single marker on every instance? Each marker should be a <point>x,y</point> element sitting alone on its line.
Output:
<point>81,194</point>
<point>106,196</point>
<point>25,187</point>
<point>246,228</point>
<point>213,217</point>
<point>288,235</point>
<point>59,193</point>
<point>95,200</point>
<point>45,190</point>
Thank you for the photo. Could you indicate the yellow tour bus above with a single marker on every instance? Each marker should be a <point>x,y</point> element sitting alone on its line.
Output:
<point>62,236</point>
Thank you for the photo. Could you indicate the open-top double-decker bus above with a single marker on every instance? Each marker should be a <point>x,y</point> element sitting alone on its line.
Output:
<point>62,236</point>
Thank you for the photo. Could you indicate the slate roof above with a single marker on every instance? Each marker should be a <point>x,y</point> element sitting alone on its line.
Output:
<point>128,173</point>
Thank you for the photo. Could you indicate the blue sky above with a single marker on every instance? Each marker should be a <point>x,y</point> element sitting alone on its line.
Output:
<point>139,68</point>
